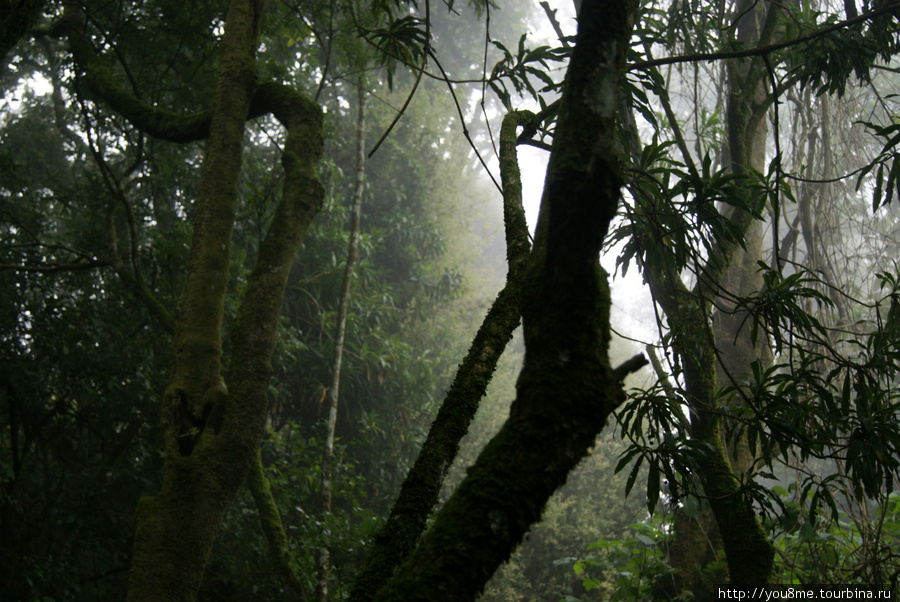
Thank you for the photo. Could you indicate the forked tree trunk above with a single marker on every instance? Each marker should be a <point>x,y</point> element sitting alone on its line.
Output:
<point>566,389</point>
<point>176,528</point>
<point>212,432</point>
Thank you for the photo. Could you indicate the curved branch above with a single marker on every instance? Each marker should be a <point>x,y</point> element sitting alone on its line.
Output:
<point>152,120</point>
<point>420,489</point>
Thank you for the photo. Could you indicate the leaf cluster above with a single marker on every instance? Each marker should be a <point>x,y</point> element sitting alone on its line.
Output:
<point>827,62</point>
<point>518,69</point>
<point>887,177</point>
<point>675,221</point>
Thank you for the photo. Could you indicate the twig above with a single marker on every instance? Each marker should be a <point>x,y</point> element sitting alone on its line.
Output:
<point>551,16</point>
<point>462,120</point>
<point>762,50</point>
<point>426,52</point>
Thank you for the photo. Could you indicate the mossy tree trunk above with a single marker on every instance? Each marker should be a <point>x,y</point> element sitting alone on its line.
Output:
<point>697,541</point>
<point>420,490</point>
<point>176,528</point>
<point>713,348</point>
<point>213,425</point>
<point>567,388</point>
<point>273,528</point>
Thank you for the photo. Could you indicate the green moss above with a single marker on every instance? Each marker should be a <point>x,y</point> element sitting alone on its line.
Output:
<point>420,490</point>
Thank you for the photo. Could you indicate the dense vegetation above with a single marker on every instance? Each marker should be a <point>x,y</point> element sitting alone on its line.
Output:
<point>250,255</point>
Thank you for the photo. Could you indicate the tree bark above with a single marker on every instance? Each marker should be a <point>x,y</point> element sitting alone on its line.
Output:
<point>567,388</point>
<point>176,528</point>
<point>273,528</point>
<point>212,432</point>
<point>420,490</point>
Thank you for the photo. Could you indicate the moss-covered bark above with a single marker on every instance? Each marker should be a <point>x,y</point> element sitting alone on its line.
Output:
<point>696,542</point>
<point>747,548</point>
<point>567,388</point>
<point>212,432</point>
<point>176,528</point>
<point>420,490</point>
<point>273,528</point>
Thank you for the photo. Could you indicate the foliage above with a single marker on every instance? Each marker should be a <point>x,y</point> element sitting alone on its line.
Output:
<point>857,547</point>
<point>625,569</point>
<point>693,217</point>
<point>239,567</point>
<point>827,62</point>
<point>95,233</point>
<point>519,68</point>
<point>885,190</point>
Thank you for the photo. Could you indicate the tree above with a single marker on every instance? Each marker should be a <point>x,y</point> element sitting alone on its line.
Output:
<point>693,226</point>
<point>352,250</point>
<point>212,431</point>
<point>565,309</point>
<point>707,276</point>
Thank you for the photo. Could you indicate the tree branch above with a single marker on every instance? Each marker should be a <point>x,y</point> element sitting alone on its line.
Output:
<point>888,7</point>
<point>566,389</point>
<point>420,490</point>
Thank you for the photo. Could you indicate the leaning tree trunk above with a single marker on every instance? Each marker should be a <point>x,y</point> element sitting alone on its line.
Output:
<point>420,490</point>
<point>567,388</point>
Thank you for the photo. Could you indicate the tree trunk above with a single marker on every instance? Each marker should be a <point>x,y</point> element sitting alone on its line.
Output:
<point>420,490</point>
<point>323,564</point>
<point>719,352</point>
<point>212,432</point>
<point>176,528</point>
<point>567,388</point>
